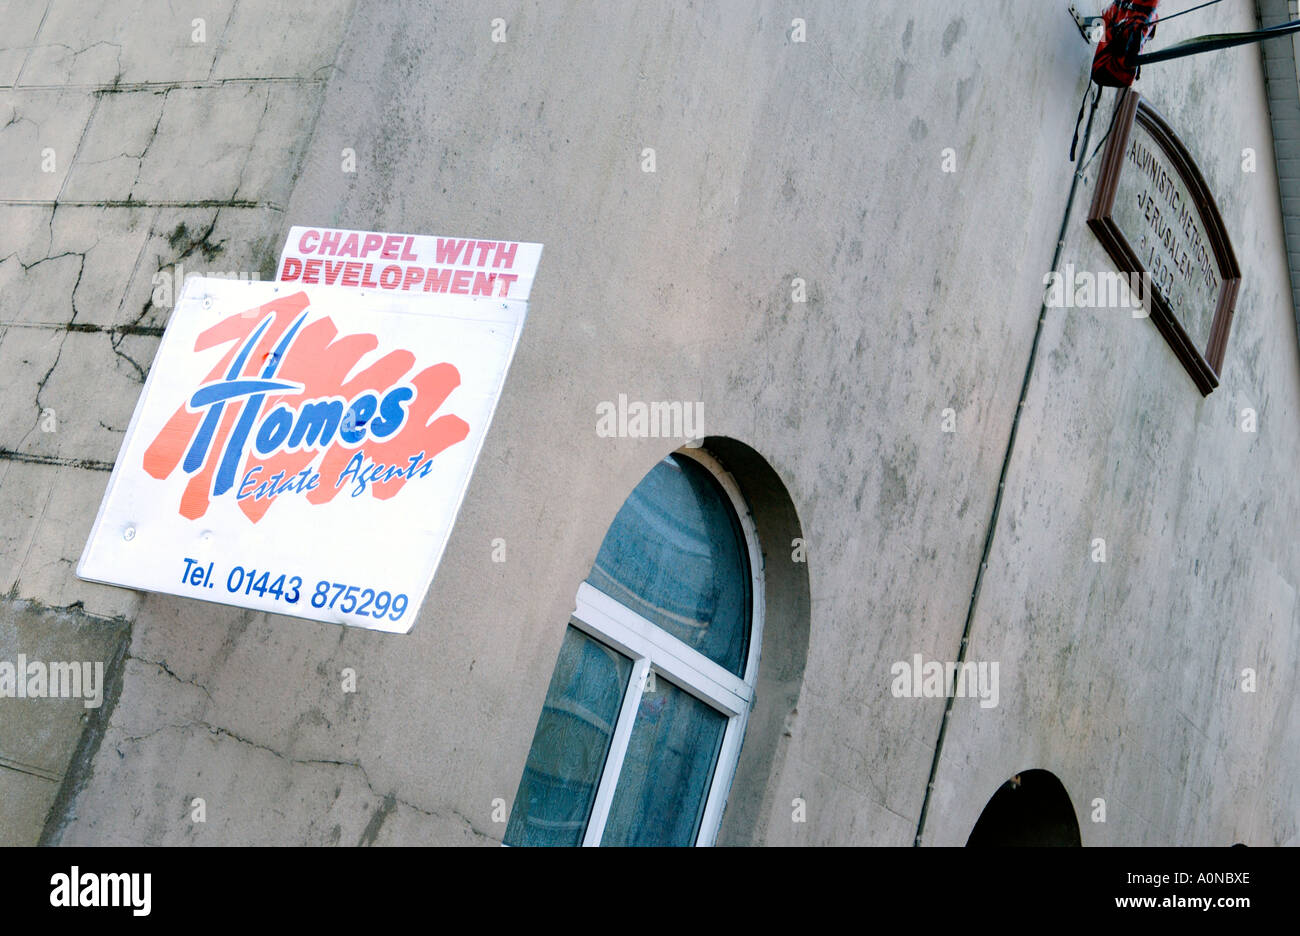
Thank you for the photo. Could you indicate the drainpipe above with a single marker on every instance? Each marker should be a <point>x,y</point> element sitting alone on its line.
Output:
<point>1002,477</point>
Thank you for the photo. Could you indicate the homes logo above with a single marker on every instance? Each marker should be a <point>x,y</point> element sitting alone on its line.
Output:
<point>283,414</point>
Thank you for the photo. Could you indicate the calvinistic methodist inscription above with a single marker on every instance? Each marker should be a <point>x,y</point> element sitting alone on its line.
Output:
<point>1157,212</point>
<point>1156,216</point>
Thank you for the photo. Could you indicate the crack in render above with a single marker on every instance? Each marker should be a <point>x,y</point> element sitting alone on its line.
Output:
<point>86,328</point>
<point>72,298</point>
<point>168,670</point>
<point>221,732</point>
<point>221,43</point>
<point>30,770</point>
<point>77,53</point>
<point>189,84</point>
<point>139,203</point>
<point>162,108</point>
<point>36,35</point>
<point>81,141</point>
<point>40,388</point>
<point>266,106</point>
<point>89,464</point>
<point>15,119</point>
<point>203,243</point>
<point>81,271</point>
<point>115,340</point>
<point>46,259</point>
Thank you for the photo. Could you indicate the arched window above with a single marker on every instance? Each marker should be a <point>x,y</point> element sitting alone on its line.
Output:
<point>641,729</point>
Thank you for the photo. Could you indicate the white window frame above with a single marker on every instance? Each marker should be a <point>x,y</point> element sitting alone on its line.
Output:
<point>651,648</point>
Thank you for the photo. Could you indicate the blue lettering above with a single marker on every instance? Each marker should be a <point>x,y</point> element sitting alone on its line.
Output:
<point>198,452</point>
<point>248,482</point>
<point>239,438</point>
<point>274,430</point>
<point>391,414</point>
<point>312,424</point>
<point>317,423</point>
<point>354,423</point>
<point>354,469</point>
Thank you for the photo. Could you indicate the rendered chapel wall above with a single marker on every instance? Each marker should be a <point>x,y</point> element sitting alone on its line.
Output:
<point>774,160</point>
<point>133,141</point>
<point>1125,677</point>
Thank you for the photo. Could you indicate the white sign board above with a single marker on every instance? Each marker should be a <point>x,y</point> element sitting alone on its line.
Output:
<point>304,450</point>
<point>410,264</point>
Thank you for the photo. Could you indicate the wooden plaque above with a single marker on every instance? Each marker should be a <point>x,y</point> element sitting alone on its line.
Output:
<point>1156,216</point>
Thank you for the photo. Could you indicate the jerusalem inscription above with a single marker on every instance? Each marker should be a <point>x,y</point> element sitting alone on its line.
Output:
<point>1159,217</point>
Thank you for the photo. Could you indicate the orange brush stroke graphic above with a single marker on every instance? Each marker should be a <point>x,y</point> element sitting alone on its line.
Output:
<point>320,360</point>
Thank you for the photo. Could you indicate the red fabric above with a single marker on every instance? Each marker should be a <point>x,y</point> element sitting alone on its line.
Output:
<point>1129,24</point>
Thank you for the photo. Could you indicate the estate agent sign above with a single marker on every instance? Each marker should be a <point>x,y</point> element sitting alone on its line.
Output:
<point>1155,215</point>
<point>304,450</point>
